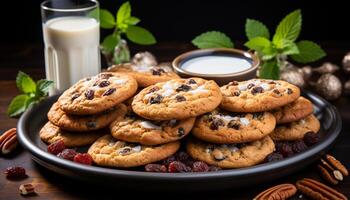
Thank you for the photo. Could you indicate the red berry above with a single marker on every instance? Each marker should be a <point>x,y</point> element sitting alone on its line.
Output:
<point>200,166</point>
<point>168,160</point>
<point>178,166</point>
<point>83,158</point>
<point>67,154</point>
<point>155,168</point>
<point>311,138</point>
<point>56,147</point>
<point>15,172</point>
<point>275,156</point>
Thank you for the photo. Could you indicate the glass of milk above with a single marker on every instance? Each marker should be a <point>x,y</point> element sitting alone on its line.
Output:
<point>71,36</point>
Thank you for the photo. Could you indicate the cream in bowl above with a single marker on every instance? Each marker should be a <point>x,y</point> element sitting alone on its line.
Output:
<point>222,65</point>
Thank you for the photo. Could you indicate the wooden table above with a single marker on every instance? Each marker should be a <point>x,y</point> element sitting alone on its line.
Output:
<point>49,185</point>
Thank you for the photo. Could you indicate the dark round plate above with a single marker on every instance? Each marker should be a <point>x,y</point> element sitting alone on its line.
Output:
<point>32,120</point>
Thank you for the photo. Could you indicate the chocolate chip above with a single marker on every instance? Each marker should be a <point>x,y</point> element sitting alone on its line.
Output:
<point>89,94</point>
<point>257,89</point>
<point>157,99</point>
<point>289,91</point>
<point>234,124</point>
<point>181,132</point>
<point>125,151</point>
<point>236,93</point>
<point>234,83</point>
<point>183,87</point>
<point>180,98</point>
<point>157,72</point>
<point>90,125</point>
<point>173,122</point>
<point>276,91</point>
<point>192,81</point>
<point>250,85</point>
<point>155,88</point>
<point>104,84</point>
<point>109,92</point>
<point>76,95</point>
<point>258,115</point>
<point>214,125</point>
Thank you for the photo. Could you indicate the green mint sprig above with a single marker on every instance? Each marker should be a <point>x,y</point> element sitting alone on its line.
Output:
<point>123,24</point>
<point>212,39</point>
<point>275,52</point>
<point>32,92</point>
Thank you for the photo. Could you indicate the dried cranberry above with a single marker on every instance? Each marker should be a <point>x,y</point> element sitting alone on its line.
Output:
<point>76,95</point>
<point>214,125</point>
<point>56,147</point>
<point>192,81</point>
<point>234,124</point>
<point>181,132</point>
<point>157,72</point>
<point>83,158</point>
<point>182,156</point>
<point>311,138</point>
<point>89,94</point>
<point>178,166</point>
<point>168,160</point>
<point>15,172</point>
<point>276,91</point>
<point>67,154</point>
<point>155,100</point>
<point>200,166</point>
<point>180,98</point>
<point>155,168</point>
<point>236,93</point>
<point>104,84</point>
<point>105,75</point>
<point>272,82</point>
<point>130,114</point>
<point>183,87</point>
<point>234,83</point>
<point>109,92</point>
<point>153,89</point>
<point>286,149</point>
<point>289,91</point>
<point>257,90</point>
<point>274,157</point>
<point>250,85</point>
<point>299,146</point>
<point>213,168</point>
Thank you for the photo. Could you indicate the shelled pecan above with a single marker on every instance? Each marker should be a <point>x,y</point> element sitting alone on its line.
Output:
<point>8,141</point>
<point>332,170</point>
<point>278,192</point>
<point>26,189</point>
<point>318,191</point>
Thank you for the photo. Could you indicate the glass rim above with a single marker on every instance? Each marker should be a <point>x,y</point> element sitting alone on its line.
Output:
<point>44,7</point>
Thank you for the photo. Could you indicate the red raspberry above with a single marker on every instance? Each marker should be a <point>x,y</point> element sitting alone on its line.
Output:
<point>56,147</point>
<point>15,172</point>
<point>83,158</point>
<point>67,154</point>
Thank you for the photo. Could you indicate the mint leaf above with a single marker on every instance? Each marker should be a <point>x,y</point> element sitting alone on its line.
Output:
<point>212,39</point>
<point>290,48</point>
<point>18,105</point>
<point>132,20</point>
<point>258,44</point>
<point>140,35</point>
<point>308,52</point>
<point>123,13</point>
<point>24,83</point>
<point>43,86</point>
<point>109,43</point>
<point>269,70</point>
<point>106,19</point>
<point>255,28</point>
<point>288,29</point>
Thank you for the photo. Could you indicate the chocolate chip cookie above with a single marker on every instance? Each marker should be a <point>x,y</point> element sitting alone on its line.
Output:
<point>132,128</point>
<point>51,133</point>
<point>257,95</point>
<point>81,122</point>
<point>98,93</point>
<point>146,75</point>
<point>225,127</point>
<point>296,130</point>
<point>177,99</point>
<point>231,155</point>
<point>107,151</point>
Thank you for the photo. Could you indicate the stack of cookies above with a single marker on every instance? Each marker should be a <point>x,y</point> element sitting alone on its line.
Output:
<point>84,110</point>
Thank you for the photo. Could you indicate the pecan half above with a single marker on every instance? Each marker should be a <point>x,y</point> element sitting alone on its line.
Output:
<point>332,170</point>
<point>317,190</point>
<point>278,192</point>
<point>26,189</point>
<point>8,141</point>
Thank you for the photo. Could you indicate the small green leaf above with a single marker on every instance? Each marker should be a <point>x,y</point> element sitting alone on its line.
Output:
<point>124,12</point>
<point>132,21</point>
<point>308,52</point>
<point>269,70</point>
<point>18,105</point>
<point>43,86</point>
<point>258,44</point>
<point>106,19</point>
<point>212,39</point>
<point>289,28</point>
<point>24,83</point>
<point>290,48</point>
<point>255,28</point>
<point>109,43</point>
<point>140,35</point>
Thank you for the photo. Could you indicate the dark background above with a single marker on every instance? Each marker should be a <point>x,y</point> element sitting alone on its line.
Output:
<point>181,20</point>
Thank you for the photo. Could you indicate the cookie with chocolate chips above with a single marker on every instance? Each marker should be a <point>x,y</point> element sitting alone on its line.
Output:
<point>177,99</point>
<point>224,127</point>
<point>51,133</point>
<point>107,151</point>
<point>257,95</point>
<point>132,128</point>
<point>294,111</point>
<point>296,130</point>
<point>146,75</point>
<point>98,93</point>
<point>231,155</point>
<point>81,123</point>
